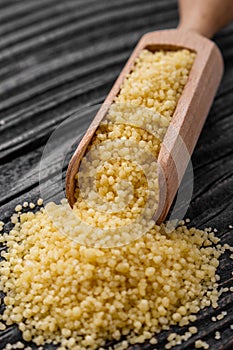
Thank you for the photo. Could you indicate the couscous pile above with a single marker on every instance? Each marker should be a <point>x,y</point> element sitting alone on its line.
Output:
<point>104,270</point>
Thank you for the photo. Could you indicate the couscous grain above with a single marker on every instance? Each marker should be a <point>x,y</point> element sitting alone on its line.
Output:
<point>201,344</point>
<point>217,335</point>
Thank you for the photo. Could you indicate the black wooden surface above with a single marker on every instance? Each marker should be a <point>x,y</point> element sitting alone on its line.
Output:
<point>59,57</point>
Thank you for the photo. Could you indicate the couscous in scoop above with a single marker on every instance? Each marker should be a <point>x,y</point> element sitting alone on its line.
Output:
<point>199,21</point>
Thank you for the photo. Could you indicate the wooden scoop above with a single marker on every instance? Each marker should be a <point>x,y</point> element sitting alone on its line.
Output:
<point>200,19</point>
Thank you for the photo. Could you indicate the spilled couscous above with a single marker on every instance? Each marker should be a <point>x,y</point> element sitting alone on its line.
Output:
<point>81,277</point>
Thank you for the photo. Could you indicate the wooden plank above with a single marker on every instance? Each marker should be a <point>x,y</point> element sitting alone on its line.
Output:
<point>53,72</point>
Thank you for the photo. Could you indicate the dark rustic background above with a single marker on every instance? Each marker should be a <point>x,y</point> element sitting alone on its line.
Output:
<point>59,57</point>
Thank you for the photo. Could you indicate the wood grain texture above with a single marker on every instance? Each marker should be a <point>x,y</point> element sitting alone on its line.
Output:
<point>58,58</point>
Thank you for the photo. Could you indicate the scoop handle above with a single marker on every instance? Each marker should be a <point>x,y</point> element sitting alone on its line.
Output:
<point>205,17</point>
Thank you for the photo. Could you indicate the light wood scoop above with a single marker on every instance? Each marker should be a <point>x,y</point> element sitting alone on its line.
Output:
<point>199,20</point>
